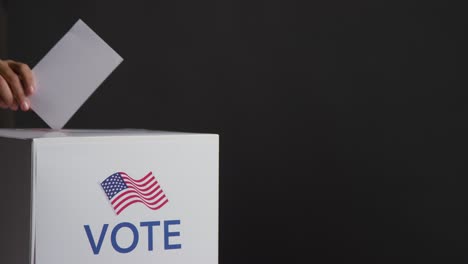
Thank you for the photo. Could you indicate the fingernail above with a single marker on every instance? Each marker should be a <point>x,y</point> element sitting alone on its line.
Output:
<point>24,106</point>
<point>32,88</point>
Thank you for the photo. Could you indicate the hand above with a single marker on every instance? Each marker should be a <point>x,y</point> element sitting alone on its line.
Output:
<point>16,83</point>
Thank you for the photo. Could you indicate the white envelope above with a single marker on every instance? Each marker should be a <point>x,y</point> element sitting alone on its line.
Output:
<point>70,72</point>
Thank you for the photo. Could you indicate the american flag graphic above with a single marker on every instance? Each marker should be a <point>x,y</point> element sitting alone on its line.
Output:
<point>123,191</point>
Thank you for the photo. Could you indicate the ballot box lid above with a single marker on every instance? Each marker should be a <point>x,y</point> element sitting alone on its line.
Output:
<point>78,133</point>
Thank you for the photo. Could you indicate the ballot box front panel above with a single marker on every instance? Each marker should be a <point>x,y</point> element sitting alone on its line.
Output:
<point>127,200</point>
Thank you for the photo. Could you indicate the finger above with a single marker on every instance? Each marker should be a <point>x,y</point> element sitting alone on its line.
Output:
<point>5,92</point>
<point>15,87</point>
<point>25,74</point>
<point>14,106</point>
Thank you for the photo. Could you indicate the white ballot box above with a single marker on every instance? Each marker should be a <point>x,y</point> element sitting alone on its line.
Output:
<point>108,196</point>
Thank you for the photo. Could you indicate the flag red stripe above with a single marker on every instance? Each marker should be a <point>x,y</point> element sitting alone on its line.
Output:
<point>145,195</point>
<point>122,198</point>
<point>138,201</point>
<point>142,189</point>
<point>148,203</point>
<point>133,190</point>
<point>137,182</point>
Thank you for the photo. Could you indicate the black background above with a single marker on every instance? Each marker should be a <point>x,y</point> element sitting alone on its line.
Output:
<point>342,123</point>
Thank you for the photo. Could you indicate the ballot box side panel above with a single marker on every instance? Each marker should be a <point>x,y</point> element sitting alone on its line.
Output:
<point>15,201</point>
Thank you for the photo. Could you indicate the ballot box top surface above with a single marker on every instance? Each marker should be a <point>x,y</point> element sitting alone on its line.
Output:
<point>78,133</point>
